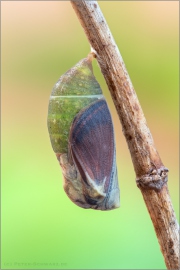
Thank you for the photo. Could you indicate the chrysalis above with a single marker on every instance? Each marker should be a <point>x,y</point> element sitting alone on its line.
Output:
<point>82,136</point>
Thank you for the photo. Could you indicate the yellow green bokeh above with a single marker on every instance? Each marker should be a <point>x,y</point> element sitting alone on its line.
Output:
<point>41,227</point>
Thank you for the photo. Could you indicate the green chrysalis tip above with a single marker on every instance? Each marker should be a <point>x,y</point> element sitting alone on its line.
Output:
<point>79,80</point>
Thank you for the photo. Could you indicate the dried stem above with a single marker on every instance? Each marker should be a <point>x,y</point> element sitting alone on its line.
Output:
<point>151,175</point>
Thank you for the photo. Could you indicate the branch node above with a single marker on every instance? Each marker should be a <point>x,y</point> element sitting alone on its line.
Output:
<point>155,179</point>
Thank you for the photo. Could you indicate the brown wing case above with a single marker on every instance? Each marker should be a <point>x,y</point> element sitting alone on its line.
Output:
<point>92,148</point>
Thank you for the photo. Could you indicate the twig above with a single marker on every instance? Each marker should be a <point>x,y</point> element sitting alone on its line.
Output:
<point>151,175</point>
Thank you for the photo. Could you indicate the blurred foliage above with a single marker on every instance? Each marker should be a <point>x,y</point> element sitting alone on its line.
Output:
<point>41,227</point>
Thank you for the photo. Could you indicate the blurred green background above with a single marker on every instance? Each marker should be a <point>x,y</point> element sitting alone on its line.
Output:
<point>41,227</point>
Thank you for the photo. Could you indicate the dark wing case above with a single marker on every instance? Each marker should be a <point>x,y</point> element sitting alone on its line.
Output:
<point>92,147</point>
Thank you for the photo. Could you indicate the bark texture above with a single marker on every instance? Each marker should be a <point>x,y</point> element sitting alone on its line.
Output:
<point>151,174</point>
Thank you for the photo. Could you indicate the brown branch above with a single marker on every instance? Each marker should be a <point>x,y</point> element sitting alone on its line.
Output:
<point>151,175</point>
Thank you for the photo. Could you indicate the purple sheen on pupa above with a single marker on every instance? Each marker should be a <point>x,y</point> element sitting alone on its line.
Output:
<point>92,148</point>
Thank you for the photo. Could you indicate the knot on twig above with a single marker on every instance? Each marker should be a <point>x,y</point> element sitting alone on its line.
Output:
<point>155,180</point>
